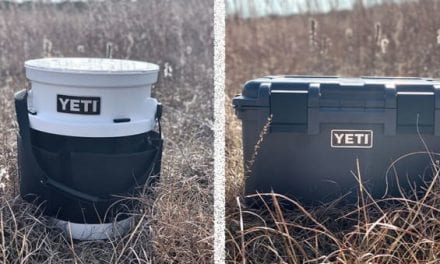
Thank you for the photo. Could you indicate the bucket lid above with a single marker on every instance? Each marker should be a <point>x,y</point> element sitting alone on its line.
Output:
<point>91,72</point>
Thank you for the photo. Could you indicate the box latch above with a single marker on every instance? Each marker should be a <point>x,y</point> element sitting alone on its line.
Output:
<point>289,109</point>
<point>416,110</point>
<point>351,103</point>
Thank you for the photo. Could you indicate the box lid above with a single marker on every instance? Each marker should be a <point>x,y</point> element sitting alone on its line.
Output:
<point>332,91</point>
<point>292,100</point>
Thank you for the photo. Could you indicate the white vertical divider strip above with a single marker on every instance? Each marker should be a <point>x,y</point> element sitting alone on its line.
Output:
<point>219,131</point>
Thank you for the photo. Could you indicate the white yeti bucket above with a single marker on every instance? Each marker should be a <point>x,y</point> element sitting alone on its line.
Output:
<point>94,97</point>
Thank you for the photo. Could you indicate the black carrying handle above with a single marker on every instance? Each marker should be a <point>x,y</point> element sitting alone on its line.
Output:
<point>21,108</point>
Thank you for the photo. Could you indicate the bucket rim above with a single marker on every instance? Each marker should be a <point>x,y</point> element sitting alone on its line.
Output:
<point>91,65</point>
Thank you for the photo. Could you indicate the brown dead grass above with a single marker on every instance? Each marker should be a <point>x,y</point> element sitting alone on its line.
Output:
<point>396,40</point>
<point>175,218</point>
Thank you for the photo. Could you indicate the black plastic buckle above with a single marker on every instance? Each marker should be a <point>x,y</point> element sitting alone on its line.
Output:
<point>159,111</point>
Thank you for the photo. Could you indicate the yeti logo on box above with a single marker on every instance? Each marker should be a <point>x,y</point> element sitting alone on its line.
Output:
<point>83,105</point>
<point>344,138</point>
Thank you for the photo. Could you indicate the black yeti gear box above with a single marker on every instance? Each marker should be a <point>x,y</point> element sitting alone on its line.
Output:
<point>303,135</point>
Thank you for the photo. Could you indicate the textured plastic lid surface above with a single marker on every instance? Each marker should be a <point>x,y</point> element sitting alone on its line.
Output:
<point>91,72</point>
<point>91,65</point>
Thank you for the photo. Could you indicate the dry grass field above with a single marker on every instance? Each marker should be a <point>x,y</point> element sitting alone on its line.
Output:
<point>175,219</point>
<point>389,39</point>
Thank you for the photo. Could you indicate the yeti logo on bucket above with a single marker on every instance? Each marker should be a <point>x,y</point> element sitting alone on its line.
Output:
<point>83,105</point>
<point>344,138</point>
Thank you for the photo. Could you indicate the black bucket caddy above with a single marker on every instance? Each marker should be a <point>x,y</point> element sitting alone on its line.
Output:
<point>80,151</point>
<point>303,135</point>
